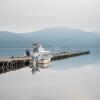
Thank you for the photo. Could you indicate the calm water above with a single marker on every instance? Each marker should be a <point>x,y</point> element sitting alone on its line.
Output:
<point>76,78</point>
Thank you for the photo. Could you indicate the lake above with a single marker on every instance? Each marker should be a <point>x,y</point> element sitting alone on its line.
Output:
<point>76,78</point>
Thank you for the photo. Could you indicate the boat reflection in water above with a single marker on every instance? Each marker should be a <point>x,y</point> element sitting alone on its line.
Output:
<point>38,67</point>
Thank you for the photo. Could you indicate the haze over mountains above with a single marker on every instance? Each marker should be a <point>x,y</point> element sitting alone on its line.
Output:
<point>51,37</point>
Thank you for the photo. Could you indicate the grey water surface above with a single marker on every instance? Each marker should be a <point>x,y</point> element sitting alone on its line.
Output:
<point>76,78</point>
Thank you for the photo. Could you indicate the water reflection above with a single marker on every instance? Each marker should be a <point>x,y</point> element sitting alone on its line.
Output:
<point>50,84</point>
<point>71,79</point>
<point>38,66</point>
<point>5,69</point>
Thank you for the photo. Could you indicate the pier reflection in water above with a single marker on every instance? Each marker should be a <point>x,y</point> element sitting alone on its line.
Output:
<point>5,68</point>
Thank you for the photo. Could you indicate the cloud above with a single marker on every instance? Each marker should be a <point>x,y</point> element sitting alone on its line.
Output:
<point>30,15</point>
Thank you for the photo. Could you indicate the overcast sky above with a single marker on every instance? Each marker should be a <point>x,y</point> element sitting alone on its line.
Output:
<point>31,15</point>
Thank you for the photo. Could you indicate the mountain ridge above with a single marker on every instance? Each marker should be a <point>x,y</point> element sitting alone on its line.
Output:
<point>57,36</point>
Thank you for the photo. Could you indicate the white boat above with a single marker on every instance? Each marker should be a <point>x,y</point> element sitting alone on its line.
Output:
<point>39,54</point>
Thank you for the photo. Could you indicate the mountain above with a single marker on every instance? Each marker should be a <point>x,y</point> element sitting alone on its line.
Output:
<point>64,37</point>
<point>51,37</point>
<point>12,40</point>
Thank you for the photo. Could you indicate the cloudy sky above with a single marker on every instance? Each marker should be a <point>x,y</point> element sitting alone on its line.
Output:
<point>31,15</point>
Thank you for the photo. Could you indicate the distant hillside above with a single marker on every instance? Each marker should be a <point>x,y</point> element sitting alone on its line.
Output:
<point>65,37</point>
<point>51,37</point>
<point>12,40</point>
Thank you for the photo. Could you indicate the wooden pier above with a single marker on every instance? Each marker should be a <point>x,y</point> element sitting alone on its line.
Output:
<point>14,63</point>
<point>65,55</point>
